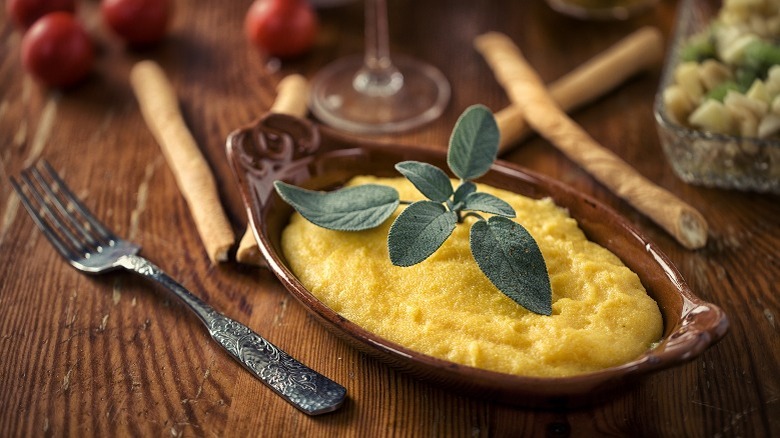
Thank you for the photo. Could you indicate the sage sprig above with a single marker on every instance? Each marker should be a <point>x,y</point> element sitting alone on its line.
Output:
<point>504,250</point>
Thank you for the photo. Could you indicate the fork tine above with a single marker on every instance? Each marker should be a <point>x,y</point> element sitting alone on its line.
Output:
<point>63,221</point>
<point>73,201</point>
<point>37,215</point>
<point>85,238</point>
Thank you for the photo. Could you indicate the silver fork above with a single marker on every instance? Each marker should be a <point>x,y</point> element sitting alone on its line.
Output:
<point>91,247</point>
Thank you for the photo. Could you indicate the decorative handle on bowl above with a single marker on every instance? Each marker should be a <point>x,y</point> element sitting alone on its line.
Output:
<point>262,150</point>
<point>274,141</point>
<point>701,326</point>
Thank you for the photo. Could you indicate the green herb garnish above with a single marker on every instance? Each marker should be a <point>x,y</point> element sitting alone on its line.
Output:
<point>503,249</point>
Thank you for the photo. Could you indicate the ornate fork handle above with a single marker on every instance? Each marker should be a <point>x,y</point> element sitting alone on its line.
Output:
<point>301,386</point>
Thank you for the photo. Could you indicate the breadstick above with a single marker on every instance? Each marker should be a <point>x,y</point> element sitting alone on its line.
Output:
<point>525,87</point>
<point>640,50</point>
<point>292,98</point>
<point>160,108</point>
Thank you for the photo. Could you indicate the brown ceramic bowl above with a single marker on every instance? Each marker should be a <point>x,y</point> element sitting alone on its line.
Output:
<point>297,151</point>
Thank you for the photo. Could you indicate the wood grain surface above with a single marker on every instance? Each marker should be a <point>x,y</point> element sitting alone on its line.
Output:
<point>114,356</point>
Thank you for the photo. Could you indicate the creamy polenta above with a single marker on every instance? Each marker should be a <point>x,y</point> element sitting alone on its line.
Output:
<point>445,306</point>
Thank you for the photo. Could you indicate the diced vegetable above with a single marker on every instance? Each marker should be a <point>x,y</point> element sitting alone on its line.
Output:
<point>712,116</point>
<point>713,72</point>
<point>728,79</point>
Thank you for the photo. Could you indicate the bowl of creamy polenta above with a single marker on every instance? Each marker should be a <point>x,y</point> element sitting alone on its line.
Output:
<point>621,310</point>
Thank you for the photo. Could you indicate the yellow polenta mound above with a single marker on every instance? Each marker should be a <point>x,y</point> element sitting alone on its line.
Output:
<point>445,307</point>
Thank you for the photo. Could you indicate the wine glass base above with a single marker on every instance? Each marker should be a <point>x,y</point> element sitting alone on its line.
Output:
<point>335,101</point>
<point>605,11</point>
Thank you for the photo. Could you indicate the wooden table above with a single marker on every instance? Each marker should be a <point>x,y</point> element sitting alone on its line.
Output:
<point>113,355</point>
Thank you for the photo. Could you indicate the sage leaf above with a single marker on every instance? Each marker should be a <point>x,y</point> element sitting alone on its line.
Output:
<point>419,231</point>
<point>473,143</point>
<point>464,189</point>
<point>487,203</point>
<point>429,179</point>
<point>509,256</point>
<point>348,209</point>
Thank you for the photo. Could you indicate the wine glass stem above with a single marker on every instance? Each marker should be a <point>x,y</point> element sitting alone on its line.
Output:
<point>378,77</point>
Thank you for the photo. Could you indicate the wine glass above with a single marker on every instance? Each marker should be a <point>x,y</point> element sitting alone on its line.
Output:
<point>372,94</point>
<point>602,9</point>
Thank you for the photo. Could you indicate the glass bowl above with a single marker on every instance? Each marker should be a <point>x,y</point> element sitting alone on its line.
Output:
<point>705,158</point>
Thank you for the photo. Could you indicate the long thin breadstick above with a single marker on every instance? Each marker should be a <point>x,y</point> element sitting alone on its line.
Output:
<point>160,108</point>
<point>543,115</point>
<point>640,50</point>
<point>292,97</point>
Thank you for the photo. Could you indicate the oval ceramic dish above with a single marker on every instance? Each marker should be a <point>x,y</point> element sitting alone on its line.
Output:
<point>297,151</point>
